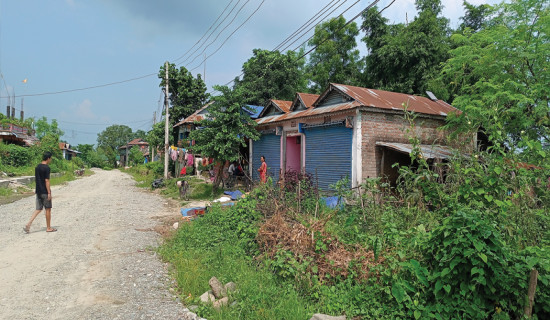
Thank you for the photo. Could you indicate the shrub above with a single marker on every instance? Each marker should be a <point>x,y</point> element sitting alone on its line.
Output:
<point>15,156</point>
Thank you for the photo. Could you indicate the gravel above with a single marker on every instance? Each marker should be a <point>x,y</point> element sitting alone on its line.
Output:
<point>101,262</point>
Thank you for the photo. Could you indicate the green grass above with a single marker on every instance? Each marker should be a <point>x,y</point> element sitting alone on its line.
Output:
<point>4,192</point>
<point>201,250</point>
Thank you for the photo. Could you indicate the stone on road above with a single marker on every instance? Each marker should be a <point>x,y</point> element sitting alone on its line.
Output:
<point>98,265</point>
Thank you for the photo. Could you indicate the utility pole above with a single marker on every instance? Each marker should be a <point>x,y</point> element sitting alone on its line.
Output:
<point>166,141</point>
<point>152,147</point>
<point>127,153</point>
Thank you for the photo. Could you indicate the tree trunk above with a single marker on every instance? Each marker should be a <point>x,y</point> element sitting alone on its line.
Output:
<point>218,177</point>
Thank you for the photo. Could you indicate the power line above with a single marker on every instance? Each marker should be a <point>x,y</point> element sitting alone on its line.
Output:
<point>315,47</point>
<point>219,33</point>
<point>100,124</point>
<point>309,22</point>
<point>340,15</point>
<point>327,38</point>
<point>211,33</point>
<point>213,53</point>
<point>221,14</point>
<point>85,88</point>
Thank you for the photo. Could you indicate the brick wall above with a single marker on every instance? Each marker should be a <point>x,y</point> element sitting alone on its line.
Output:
<point>385,127</point>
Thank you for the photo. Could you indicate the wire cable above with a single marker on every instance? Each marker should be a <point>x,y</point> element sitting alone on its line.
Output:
<point>211,33</point>
<point>205,33</point>
<point>86,88</point>
<point>326,39</point>
<point>309,22</point>
<point>213,53</point>
<point>219,33</point>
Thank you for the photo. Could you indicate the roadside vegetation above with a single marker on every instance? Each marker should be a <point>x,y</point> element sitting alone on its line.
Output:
<point>145,174</point>
<point>457,239</point>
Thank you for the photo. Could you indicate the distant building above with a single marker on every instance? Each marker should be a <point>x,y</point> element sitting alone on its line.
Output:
<point>191,123</point>
<point>13,134</point>
<point>142,144</point>
<point>68,153</point>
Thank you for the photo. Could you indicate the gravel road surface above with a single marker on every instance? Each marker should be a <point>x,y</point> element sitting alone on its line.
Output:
<point>98,265</point>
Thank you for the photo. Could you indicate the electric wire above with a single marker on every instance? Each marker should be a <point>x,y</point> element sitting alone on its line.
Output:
<point>311,37</point>
<point>211,33</point>
<point>213,53</point>
<point>219,33</point>
<point>305,24</point>
<point>85,88</point>
<point>101,124</point>
<point>205,33</point>
<point>372,4</point>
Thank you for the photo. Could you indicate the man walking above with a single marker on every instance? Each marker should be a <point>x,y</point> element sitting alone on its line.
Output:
<point>43,192</point>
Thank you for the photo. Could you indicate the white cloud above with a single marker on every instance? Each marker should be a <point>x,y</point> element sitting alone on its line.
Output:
<point>84,110</point>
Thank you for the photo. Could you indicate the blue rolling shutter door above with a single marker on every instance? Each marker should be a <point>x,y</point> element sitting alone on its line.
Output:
<point>269,146</point>
<point>328,150</point>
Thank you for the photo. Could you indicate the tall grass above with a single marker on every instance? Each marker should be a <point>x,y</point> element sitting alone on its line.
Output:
<point>204,248</point>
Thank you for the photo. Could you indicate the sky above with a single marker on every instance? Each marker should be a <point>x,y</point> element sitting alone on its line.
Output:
<point>65,45</point>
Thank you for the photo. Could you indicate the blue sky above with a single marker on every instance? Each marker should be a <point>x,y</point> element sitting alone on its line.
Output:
<point>60,45</point>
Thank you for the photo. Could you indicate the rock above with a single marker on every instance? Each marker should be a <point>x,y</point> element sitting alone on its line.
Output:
<point>176,225</point>
<point>219,303</point>
<point>207,297</point>
<point>319,316</point>
<point>193,307</point>
<point>230,287</point>
<point>217,288</point>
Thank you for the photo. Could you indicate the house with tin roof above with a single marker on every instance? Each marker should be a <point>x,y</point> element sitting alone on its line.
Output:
<point>190,123</point>
<point>348,131</point>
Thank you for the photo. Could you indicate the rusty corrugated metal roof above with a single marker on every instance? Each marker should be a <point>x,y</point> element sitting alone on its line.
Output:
<point>392,100</point>
<point>309,112</point>
<point>363,97</point>
<point>428,151</point>
<point>307,99</point>
<point>283,105</point>
<point>195,117</point>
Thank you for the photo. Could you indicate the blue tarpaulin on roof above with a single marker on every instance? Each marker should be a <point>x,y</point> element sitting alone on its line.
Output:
<point>254,111</point>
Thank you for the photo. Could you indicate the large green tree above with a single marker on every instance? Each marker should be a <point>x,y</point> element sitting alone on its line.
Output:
<point>501,76</point>
<point>404,58</point>
<point>113,137</point>
<point>187,93</point>
<point>224,133</point>
<point>336,58</point>
<point>272,75</point>
<point>42,127</point>
<point>474,17</point>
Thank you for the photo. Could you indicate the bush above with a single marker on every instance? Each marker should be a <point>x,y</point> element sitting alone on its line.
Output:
<point>15,156</point>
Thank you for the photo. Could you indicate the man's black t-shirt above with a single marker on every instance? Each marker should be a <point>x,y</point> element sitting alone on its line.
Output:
<point>41,173</point>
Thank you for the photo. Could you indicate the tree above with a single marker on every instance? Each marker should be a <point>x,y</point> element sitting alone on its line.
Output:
<point>336,58</point>
<point>187,94</point>
<point>404,58</point>
<point>272,75</point>
<point>42,127</point>
<point>376,30</point>
<point>135,156</point>
<point>501,76</point>
<point>155,137</point>
<point>224,133</point>
<point>113,137</point>
<point>475,16</point>
<point>140,134</point>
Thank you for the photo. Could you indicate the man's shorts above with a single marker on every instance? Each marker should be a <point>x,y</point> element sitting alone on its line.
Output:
<point>43,202</point>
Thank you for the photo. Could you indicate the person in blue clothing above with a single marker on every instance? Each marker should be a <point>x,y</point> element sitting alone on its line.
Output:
<point>43,193</point>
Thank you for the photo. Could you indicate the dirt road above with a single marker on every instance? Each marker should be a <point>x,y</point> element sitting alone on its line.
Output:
<point>98,265</point>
